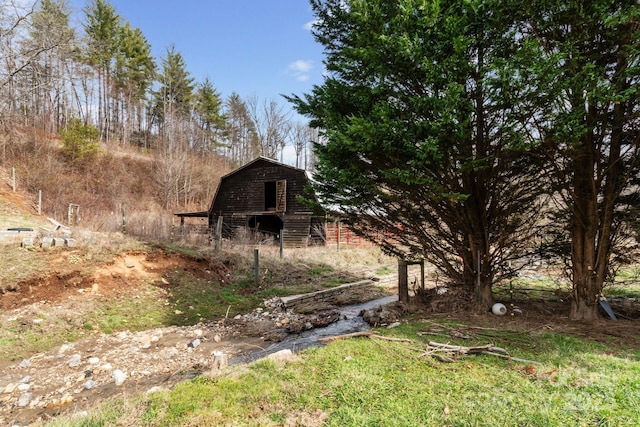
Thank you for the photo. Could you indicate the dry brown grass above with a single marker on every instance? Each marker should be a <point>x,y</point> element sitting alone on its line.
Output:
<point>119,182</point>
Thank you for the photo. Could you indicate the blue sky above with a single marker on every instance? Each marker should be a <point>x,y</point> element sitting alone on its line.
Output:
<point>252,47</point>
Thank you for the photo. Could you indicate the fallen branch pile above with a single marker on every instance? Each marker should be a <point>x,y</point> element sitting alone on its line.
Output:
<point>446,352</point>
<point>441,352</point>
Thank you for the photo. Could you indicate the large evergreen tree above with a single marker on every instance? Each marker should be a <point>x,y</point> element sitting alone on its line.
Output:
<point>587,66</point>
<point>174,97</point>
<point>209,117</point>
<point>135,70</point>
<point>424,149</point>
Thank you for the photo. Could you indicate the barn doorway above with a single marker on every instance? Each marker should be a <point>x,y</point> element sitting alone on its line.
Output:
<point>275,195</point>
<point>266,224</point>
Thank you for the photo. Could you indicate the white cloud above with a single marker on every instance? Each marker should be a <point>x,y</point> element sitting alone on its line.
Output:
<point>309,25</point>
<point>300,69</point>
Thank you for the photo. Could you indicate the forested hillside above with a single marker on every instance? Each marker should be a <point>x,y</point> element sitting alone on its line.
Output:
<point>89,116</point>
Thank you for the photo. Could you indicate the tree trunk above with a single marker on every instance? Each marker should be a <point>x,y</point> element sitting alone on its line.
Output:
<point>583,309</point>
<point>485,295</point>
<point>587,285</point>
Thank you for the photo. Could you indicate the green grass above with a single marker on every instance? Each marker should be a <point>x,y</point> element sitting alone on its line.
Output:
<point>531,289</point>
<point>18,265</point>
<point>385,269</point>
<point>372,382</point>
<point>19,341</point>
<point>626,284</point>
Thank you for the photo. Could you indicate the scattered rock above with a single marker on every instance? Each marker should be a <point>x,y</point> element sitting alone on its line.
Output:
<point>24,400</point>
<point>383,316</point>
<point>9,388</point>
<point>74,361</point>
<point>119,377</point>
<point>63,373</point>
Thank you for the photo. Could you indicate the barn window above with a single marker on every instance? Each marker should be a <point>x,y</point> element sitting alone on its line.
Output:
<point>275,195</point>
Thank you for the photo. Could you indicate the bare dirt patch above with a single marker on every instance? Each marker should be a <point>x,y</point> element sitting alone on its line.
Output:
<point>550,314</point>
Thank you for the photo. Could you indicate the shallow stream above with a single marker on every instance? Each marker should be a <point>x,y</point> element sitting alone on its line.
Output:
<point>350,322</point>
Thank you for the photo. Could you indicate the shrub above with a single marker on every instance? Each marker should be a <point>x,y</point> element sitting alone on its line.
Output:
<point>79,141</point>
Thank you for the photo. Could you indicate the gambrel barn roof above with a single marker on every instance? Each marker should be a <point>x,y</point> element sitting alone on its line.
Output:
<point>265,196</point>
<point>262,186</point>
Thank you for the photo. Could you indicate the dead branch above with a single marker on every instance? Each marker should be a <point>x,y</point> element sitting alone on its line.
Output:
<point>345,336</point>
<point>369,334</point>
<point>446,352</point>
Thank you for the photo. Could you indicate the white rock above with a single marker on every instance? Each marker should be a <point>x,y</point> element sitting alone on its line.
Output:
<point>154,389</point>
<point>145,341</point>
<point>24,387</point>
<point>63,348</point>
<point>119,377</point>
<point>74,361</point>
<point>26,363</point>
<point>93,360</point>
<point>24,400</point>
<point>88,385</point>
<point>9,388</point>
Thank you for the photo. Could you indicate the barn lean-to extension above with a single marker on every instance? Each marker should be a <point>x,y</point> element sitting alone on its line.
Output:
<point>264,196</point>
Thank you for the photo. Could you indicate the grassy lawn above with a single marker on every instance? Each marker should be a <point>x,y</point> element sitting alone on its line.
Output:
<point>372,382</point>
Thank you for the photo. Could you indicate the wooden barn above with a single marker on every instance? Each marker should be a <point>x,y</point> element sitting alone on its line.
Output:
<point>263,196</point>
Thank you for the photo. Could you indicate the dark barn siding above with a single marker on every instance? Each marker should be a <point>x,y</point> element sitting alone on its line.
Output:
<point>251,194</point>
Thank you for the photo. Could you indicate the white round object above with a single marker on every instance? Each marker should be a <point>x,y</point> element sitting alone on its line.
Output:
<point>499,309</point>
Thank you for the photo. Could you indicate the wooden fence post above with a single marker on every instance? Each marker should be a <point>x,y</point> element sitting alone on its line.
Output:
<point>281,243</point>
<point>403,282</point>
<point>256,266</point>
<point>218,233</point>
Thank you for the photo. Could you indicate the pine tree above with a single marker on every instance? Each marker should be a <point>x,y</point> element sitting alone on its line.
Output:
<point>102,29</point>
<point>209,117</point>
<point>135,72</point>
<point>174,98</point>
